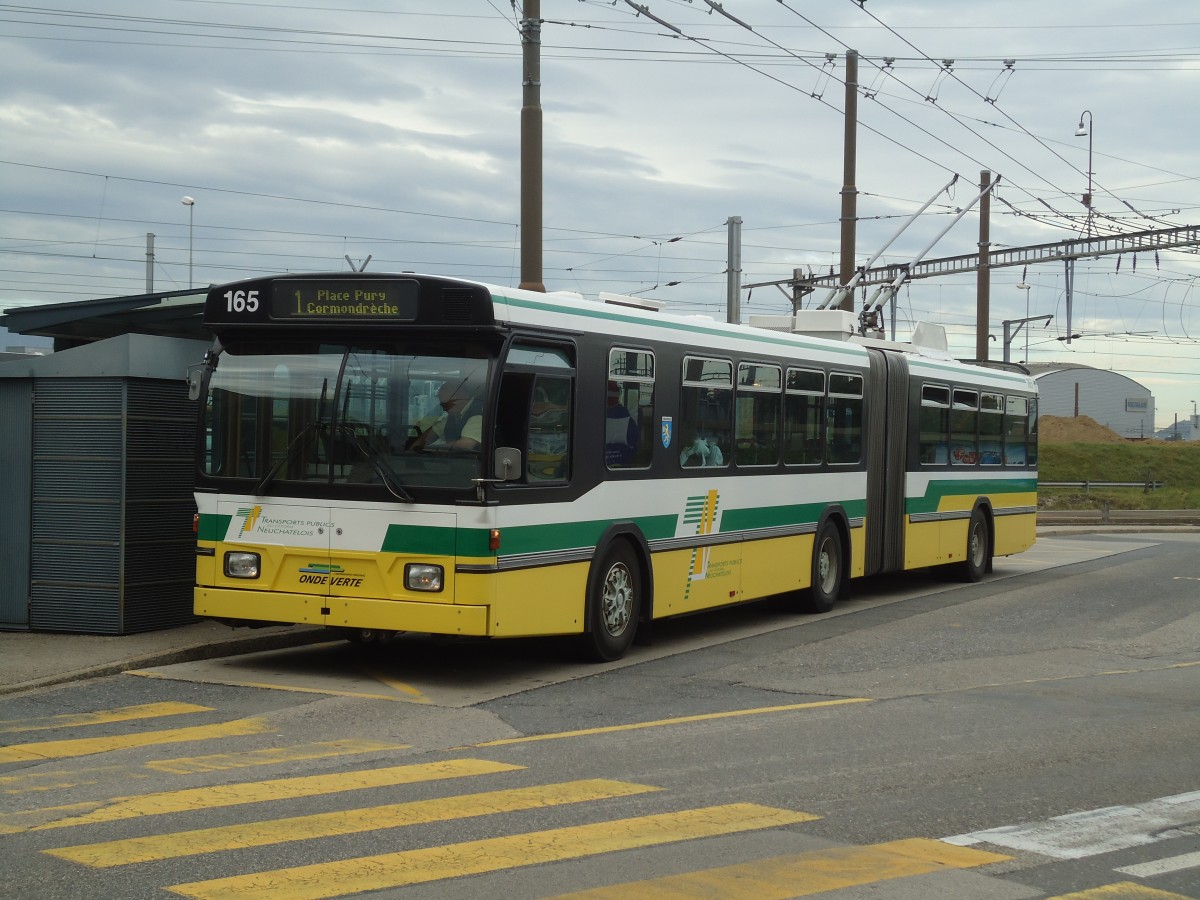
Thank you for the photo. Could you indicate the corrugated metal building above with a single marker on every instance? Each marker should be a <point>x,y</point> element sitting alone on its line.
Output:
<point>96,465</point>
<point>1112,399</point>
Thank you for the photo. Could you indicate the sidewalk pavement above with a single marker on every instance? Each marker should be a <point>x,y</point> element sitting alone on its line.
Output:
<point>31,660</point>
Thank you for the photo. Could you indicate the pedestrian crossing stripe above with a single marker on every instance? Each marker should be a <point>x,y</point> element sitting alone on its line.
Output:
<point>803,874</point>
<point>45,750</point>
<point>219,762</point>
<point>35,781</point>
<point>101,717</point>
<point>243,793</point>
<point>1122,890</point>
<point>356,821</point>
<point>409,867</point>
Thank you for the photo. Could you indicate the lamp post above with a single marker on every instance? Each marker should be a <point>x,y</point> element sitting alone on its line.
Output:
<point>190,203</point>
<point>1022,286</point>
<point>1087,131</point>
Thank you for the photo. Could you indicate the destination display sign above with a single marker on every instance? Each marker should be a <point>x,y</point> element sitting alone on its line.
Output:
<point>346,300</point>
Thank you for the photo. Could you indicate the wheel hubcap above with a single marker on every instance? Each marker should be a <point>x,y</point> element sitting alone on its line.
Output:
<point>617,600</point>
<point>976,547</point>
<point>827,567</point>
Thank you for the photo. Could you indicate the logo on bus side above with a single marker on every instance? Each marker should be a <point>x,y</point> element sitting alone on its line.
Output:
<point>701,516</point>
<point>666,431</point>
<point>249,516</point>
<point>328,573</point>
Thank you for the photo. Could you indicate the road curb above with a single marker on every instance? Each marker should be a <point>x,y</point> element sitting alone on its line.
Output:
<point>234,646</point>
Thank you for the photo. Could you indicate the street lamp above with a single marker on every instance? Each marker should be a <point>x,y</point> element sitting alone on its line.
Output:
<point>190,203</point>
<point>1089,133</point>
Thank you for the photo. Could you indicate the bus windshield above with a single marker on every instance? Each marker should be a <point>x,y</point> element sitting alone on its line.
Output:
<point>394,415</point>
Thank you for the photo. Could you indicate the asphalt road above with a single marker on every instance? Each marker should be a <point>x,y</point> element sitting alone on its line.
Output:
<point>1032,736</point>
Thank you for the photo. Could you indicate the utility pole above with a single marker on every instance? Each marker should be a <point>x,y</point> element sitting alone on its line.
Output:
<point>849,166</point>
<point>983,279</point>
<point>531,147</point>
<point>733,274</point>
<point>149,262</point>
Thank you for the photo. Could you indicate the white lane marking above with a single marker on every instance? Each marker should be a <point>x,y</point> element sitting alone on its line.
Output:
<point>1162,866</point>
<point>1096,831</point>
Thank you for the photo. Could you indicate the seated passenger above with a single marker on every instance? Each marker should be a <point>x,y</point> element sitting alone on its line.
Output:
<point>701,452</point>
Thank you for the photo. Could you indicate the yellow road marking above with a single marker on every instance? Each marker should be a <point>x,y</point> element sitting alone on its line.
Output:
<point>801,874</point>
<point>390,870</point>
<point>30,782</point>
<point>271,686</point>
<point>219,762</point>
<point>681,720</point>
<point>30,819</point>
<point>87,746</point>
<point>222,795</point>
<point>122,714</point>
<point>1122,890</point>
<point>411,692</point>
<point>355,821</point>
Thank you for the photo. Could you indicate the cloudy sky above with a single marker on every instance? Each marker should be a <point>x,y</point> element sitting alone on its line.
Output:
<point>309,132</point>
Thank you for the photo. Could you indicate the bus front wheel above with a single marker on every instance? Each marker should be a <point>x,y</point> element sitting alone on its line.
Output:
<point>827,570</point>
<point>978,548</point>
<point>614,603</point>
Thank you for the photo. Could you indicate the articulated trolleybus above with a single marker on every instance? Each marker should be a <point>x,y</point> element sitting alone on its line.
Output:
<point>384,453</point>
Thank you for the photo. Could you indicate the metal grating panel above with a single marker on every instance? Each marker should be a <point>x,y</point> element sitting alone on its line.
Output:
<point>15,501</point>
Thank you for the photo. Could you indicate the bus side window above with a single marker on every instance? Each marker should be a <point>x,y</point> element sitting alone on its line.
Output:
<point>629,431</point>
<point>706,412</point>
<point>803,405</point>
<point>845,413</point>
<point>1016,427</point>
<point>756,438</point>
<point>934,424</point>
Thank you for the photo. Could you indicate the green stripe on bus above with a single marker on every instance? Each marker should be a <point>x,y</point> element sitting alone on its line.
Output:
<point>212,527</point>
<point>431,541</point>
<point>570,535</point>
<point>781,516</point>
<point>936,490</point>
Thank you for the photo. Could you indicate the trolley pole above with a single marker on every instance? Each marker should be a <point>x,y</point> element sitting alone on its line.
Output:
<point>531,147</point>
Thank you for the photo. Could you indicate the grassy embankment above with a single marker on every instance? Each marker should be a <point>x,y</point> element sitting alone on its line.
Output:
<point>1176,465</point>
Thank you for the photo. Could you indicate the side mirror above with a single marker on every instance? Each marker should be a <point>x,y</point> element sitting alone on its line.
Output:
<point>195,375</point>
<point>507,464</point>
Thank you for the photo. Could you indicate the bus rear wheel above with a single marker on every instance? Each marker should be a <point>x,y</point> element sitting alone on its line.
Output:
<point>614,603</point>
<point>826,583</point>
<point>978,555</point>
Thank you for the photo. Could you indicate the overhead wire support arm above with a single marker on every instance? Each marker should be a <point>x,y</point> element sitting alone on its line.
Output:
<point>645,11</point>
<point>886,292</point>
<point>839,292</point>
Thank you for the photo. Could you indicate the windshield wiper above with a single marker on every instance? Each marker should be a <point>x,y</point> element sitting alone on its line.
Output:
<point>304,434</point>
<point>377,463</point>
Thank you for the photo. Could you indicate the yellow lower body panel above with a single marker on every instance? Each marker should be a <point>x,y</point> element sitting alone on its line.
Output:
<point>352,612</point>
<point>532,602</point>
<point>1015,534</point>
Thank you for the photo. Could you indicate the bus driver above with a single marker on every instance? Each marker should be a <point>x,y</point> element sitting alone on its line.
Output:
<point>460,424</point>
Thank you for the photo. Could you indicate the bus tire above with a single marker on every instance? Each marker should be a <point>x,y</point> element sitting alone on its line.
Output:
<point>827,569</point>
<point>975,563</point>
<point>614,604</point>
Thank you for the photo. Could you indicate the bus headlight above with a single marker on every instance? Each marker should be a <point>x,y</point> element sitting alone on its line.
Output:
<point>423,577</point>
<point>239,564</point>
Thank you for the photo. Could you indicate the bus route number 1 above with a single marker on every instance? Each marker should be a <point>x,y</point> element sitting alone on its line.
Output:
<point>241,301</point>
